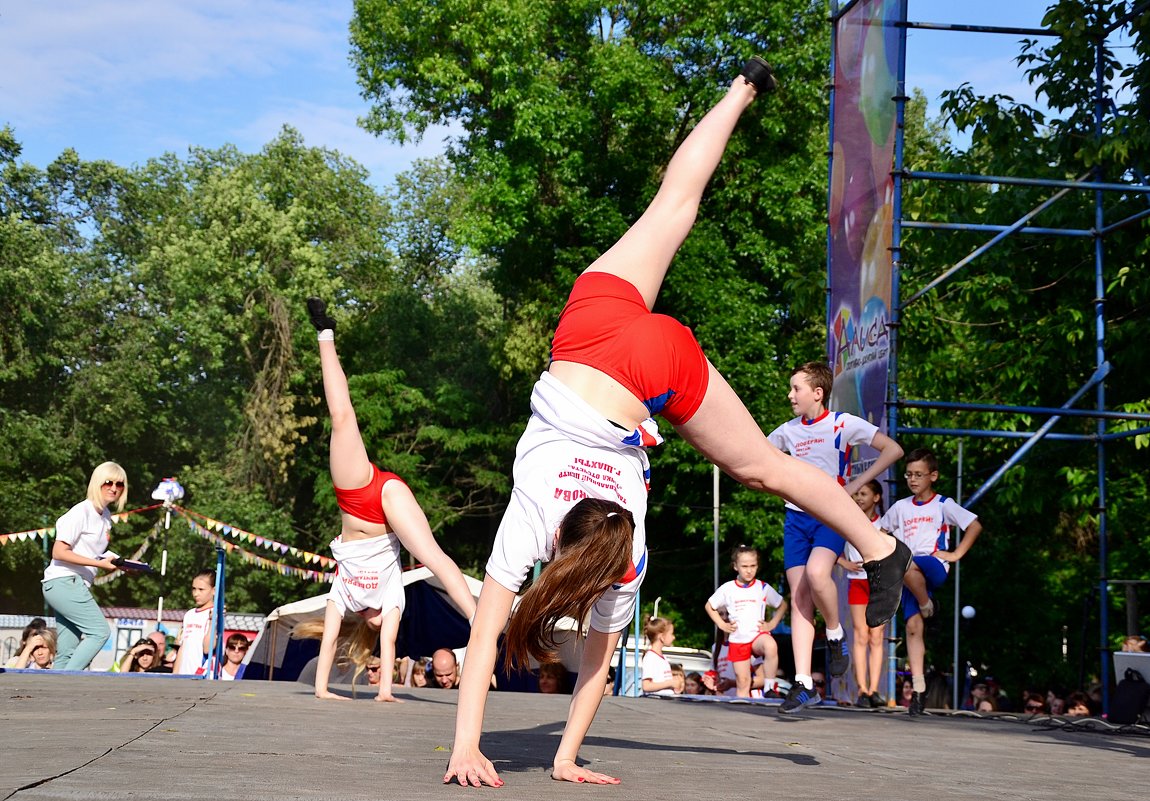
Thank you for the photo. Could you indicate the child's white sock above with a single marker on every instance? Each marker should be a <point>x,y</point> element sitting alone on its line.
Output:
<point>919,683</point>
<point>805,680</point>
<point>836,633</point>
<point>326,335</point>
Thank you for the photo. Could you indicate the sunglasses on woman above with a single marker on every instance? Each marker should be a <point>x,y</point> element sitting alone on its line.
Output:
<point>116,484</point>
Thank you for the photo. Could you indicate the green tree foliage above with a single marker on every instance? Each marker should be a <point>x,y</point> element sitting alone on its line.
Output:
<point>1017,327</point>
<point>161,324</point>
<point>567,112</point>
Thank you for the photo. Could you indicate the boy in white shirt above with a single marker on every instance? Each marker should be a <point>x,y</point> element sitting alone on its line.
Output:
<point>811,549</point>
<point>923,522</point>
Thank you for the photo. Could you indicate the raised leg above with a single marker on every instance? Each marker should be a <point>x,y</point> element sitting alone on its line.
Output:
<point>347,456</point>
<point>410,524</point>
<point>643,254</point>
<point>724,431</point>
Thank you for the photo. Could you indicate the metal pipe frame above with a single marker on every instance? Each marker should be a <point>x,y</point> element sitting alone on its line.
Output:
<point>1100,188</point>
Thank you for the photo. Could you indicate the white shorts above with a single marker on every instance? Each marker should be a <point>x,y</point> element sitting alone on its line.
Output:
<point>369,575</point>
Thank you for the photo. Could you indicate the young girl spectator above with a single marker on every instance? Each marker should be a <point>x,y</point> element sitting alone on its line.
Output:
<point>80,549</point>
<point>745,599</point>
<point>195,638</point>
<point>378,513</point>
<point>419,672</point>
<point>693,684</point>
<point>657,676</point>
<point>679,677</point>
<point>36,652</point>
<point>866,642</point>
<point>614,365</point>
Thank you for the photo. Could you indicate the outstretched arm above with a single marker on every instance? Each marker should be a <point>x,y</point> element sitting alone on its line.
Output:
<point>593,665</point>
<point>468,765</point>
<point>332,620</point>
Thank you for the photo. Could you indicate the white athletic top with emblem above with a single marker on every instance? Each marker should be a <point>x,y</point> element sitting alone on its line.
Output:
<point>745,605</point>
<point>827,442</point>
<point>924,527</point>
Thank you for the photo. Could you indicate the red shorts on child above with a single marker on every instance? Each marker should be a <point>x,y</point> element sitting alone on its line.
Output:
<point>858,592</point>
<point>742,651</point>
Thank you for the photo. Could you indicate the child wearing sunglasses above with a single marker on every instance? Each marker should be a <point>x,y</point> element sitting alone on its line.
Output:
<point>80,549</point>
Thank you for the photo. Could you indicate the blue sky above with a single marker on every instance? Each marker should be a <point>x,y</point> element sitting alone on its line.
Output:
<point>128,80</point>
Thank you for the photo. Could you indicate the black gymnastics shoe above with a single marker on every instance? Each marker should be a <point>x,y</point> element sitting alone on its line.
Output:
<point>885,577</point>
<point>317,309</point>
<point>759,75</point>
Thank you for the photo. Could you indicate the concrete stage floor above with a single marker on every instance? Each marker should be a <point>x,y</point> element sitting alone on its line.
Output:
<point>122,737</point>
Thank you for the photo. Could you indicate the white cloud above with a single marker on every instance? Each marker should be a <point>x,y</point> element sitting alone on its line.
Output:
<point>55,53</point>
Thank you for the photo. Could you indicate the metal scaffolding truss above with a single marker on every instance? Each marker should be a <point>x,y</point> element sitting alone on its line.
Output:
<point>1095,386</point>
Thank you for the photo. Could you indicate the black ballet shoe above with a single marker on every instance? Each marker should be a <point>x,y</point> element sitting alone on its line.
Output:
<point>317,309</point>
<point>758,74</point>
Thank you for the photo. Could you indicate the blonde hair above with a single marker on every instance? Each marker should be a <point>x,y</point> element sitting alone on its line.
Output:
<point>594,552</point>
<point>108,471</point>
<point>355,644</point>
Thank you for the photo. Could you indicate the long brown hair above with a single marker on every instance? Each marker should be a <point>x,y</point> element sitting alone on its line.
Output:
<point>594,552</point>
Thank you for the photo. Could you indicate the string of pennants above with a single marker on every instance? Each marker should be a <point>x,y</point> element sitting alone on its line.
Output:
<point>263,563</point>
<point>263,542</point>
<point>45,533</point>
<point>208,531</point>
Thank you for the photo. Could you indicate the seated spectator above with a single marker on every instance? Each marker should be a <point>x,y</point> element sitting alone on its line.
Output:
<point>161,642</point>
<point>987,704</point>
<point>937,691</point>
<point>1135,644</point>
<point>609,685</point>
<point>1077,705</point>
<point>139,658</point>
<point>553,678</point>
<point>1056,703</point>
<point>679,677</point>
<point>1035,704</point>
<point>906,690</point>
<point>419,669</point>
<point>445,669</point>
<point>978,692</point>
<point>693,684</point>
<point>373,668</point>
<point>235,649</point>
<point>819,679</point>
<point>37,650</point>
